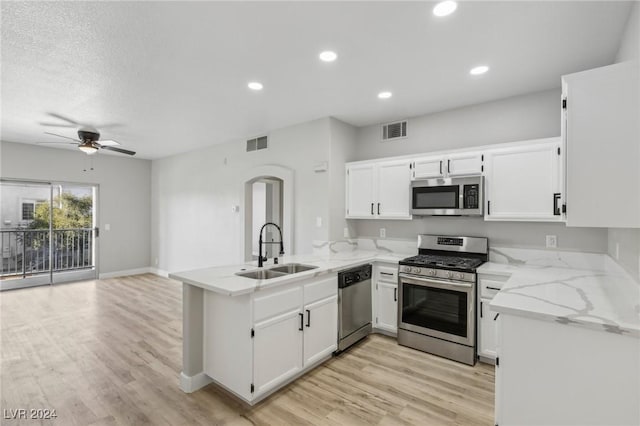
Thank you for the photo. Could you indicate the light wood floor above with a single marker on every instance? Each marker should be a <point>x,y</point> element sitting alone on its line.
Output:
<point>109,353</point>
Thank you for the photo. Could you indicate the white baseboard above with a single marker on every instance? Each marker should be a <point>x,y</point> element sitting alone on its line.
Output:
<point>159,272</point>
<point>190,384</point>
<point>124,273</point>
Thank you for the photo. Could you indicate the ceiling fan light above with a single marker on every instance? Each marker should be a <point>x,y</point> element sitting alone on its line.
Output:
<point>88,149</point>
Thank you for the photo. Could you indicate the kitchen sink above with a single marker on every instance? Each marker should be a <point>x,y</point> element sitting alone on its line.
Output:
<point>275,272</point>
<point>292,268</point>
<point>261,274</point>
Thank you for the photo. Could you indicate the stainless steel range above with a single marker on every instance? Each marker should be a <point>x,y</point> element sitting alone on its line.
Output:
<point>436,304</point>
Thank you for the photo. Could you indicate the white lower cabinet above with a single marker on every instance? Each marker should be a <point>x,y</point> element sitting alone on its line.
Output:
<point>488,286</point>
<point>385,311</point>
<point>387,318</point>
<point>487,330</point>
<point>321,323</point>
<point>256,343</point>
<point>277,351</point>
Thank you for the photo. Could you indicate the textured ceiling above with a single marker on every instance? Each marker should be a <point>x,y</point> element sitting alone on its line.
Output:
<point>174,74</point>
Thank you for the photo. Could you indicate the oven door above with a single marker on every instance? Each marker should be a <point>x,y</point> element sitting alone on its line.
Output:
<point>437,308</point>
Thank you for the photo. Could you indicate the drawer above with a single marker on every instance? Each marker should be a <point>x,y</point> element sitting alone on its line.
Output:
<point>386,273</point>
<point>321,289</point>
<point>491,285</point>
<point>275,303</point>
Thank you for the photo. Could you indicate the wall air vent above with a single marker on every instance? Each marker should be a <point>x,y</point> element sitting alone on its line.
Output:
<point>393,131</point>
<point>257,144</point>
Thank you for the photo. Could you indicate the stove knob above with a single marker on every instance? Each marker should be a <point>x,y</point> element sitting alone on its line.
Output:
<point>406,269</point>
<point>449,274</point>
<point>432,272</point>
<point>459,275</point>
<point>416,270</point>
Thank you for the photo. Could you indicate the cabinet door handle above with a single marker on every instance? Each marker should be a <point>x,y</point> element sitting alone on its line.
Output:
<point>448,166</point>
<point>378,208</point>
<point>386,273</point>
<point>496,317</point>
<point>395,294</point>
<point>556,209</point>
<point>301,321</point>
<point>308,318</point>
<point>492,288</point>
<point>440,166</point>
<point>480,309</point>
<point>371,208</point>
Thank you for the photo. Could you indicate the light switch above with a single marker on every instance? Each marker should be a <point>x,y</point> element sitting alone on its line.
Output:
<point>383,232</point>
<point>107,227</point>
<point>319,222</point>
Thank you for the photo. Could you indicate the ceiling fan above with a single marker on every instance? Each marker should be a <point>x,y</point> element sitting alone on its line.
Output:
<point>88,137</point>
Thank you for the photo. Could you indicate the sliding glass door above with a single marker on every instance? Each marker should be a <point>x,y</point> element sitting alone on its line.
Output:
<point>48,233</point>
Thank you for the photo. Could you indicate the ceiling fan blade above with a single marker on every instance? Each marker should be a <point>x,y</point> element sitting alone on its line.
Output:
<point>58,125</point>
<point>113,148</point>
<point>60,136</point>
<point>57,143</point>
<point>63,118</point>
<point>108,142</point>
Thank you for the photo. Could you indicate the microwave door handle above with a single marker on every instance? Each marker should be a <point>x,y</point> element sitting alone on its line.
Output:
<point>440,166</point>
<point>448,166</point>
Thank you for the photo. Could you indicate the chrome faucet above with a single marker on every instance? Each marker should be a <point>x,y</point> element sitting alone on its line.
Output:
<point>260,243</point>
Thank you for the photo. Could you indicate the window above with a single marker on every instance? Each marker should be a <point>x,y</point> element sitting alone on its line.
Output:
<point>28,209</point>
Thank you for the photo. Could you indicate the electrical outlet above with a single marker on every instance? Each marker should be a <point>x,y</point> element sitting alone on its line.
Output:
<point>617,251</point>
<point>156,261</point>
<point>383,233</point>
<point>107,227</point>
<point>552,241</point>
<point>318,222</point>
<point>345,233</point>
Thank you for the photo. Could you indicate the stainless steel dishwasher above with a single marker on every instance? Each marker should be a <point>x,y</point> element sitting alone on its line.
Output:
<point>354,305</point>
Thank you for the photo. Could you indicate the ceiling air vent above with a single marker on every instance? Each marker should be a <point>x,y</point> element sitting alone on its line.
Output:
<point>392,131</point>
<point>257,144</point>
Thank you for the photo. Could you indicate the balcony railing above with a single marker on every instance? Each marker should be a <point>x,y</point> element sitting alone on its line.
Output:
<point>25,252</point>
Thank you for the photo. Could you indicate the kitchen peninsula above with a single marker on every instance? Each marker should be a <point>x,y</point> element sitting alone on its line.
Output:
<point>253,336</point>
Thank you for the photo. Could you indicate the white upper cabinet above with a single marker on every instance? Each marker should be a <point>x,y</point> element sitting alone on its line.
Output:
<point>428,167</point>
<point>601,130</point>
<point>379,190</point>
<point>462,164</point>
<point>360,191</point>
<point>394,190</point>
<point>524,182</point>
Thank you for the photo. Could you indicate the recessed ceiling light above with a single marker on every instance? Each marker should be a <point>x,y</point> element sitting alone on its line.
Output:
<point>384,95</point>
<point>445,8</point>
<point>254,85</point>
<point>479,70</point>
<point>328,56</point>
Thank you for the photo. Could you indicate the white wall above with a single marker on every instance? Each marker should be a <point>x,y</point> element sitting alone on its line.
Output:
<point>193,224</point>
<point>124,195</point>
<point>630,44</point>
<point>530,116</point>
<point>625,243</point>
<point>343,138</point>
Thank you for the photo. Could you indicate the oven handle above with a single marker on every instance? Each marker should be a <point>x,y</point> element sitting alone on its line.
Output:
<point>431,282</point>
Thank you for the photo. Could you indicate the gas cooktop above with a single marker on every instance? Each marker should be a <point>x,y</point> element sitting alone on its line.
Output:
<point>467,264</point>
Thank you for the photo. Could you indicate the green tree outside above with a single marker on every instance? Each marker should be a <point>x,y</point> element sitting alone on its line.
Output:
<point>74,212</point>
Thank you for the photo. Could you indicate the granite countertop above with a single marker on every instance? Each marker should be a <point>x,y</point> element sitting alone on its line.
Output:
<point>603,297</point>
<point>223,279</point>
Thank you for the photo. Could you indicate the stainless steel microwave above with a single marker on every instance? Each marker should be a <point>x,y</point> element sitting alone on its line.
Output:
<point>448,196</point>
